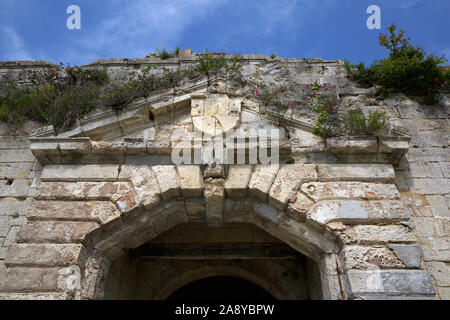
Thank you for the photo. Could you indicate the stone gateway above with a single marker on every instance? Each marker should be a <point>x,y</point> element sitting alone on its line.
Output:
<point>101,211</point>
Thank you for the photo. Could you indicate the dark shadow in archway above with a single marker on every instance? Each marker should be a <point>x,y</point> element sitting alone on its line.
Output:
<point>221,288</point>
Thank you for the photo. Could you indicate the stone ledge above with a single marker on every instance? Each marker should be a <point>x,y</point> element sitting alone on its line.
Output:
<point>39,255</point>
<point>356,172</point>
<point>21,279</point>
<point>320,191</point>
<point>70,173</point>
<point>357,212</point>
<point>389,282</point>
<point>102,212</point>
<point>83,191</point>
<point>371,234</point>
<point>366,257</point>
<point>55,232</point>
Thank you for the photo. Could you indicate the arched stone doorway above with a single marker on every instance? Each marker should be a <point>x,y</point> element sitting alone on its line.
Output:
<point>189,253</point>
<point>110,185</point>
<point>345,218</point>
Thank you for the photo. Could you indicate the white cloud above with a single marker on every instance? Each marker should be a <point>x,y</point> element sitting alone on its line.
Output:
<point>12,45</point>
<point>406,4</point>
<point>141,26</point>
<point>274,13</point>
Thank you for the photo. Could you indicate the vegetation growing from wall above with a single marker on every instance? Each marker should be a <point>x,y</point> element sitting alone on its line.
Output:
<point>408,69</point>
<point>51,96</point>
<point>60,97</point>
<point>277,104</point>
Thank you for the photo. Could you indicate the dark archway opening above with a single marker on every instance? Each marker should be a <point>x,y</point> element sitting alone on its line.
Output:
<point>221,288</point>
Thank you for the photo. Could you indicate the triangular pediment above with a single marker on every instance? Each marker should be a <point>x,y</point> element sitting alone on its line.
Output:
<point>156,124</point>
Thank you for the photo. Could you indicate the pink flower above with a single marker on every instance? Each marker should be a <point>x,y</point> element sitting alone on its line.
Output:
<point>315,93</point>
<point>436,80</point>
<point>292,104</point>
<point>275,92</point>
<point>334,87</point>
<point>325,84</point>
<point>257,92</point>
<point>307,86</point>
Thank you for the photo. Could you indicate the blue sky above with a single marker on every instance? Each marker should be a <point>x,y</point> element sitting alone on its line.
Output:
<point>331,29</point>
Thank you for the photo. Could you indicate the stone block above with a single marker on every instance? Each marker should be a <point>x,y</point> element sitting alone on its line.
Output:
<point>382,234</point>
<point>238,179</point>
<point>39,255</point>
<point>30,279</point>
<point>191,181</point>
<point>100,172</point>
<point>16,170</point>
<point>349,190</point>
<point>100,211</point>
<point>11,237</point>
<point>55,232</point>
<point>16,155</point>
<point>111,191</point>
<point>440,272</point>
<point>262,179</point>
<point>18,189</point>
<point>444,293</point>
<point>299,205</point>
<point>214,198</point>
<point>288,181</point>
<point>389,282</point>
<point>358,172</point>
<point>363,257</point>
<point>417,204</point>
<point>267,212</point>
<point>410,255</point>
<point>5,223</point>
<point>429,139</point>
<point>430,154</point>
<point>196,210</point>
<point>128,203</point>
<point>168,181</point>
<point>12,207</point>
<point>214,171</point>
<point>429,186</point>
<point>438,206</point>
<point>433,170</point>
<point>389,146</point>
<point>144,183</point>
<point>356,212</point>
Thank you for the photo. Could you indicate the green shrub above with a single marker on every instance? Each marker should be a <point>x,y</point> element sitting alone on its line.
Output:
<point>356,123</point>
<point>364,76</point>
<point>408,69</point>
<point>208,63</point>
<point>59,97</point>
<point>50,97</point>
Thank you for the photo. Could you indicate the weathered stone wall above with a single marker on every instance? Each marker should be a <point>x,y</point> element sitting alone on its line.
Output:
<point>423,180</point>
<point>17,170</point>
<point>355,206</point>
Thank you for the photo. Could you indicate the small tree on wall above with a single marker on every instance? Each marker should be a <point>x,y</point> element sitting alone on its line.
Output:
<point>408,68</point>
